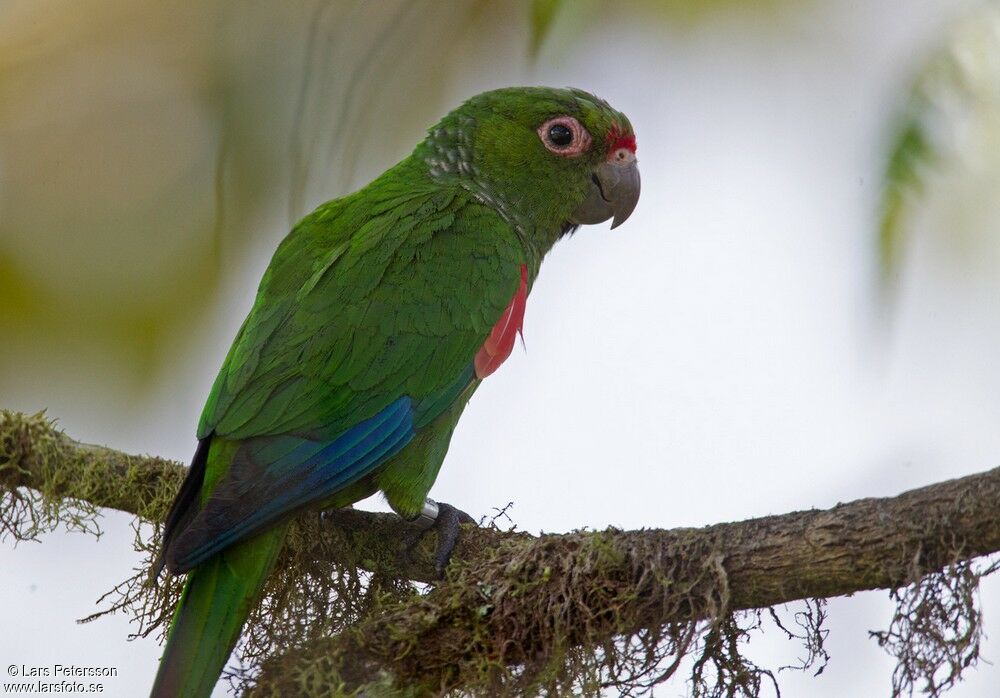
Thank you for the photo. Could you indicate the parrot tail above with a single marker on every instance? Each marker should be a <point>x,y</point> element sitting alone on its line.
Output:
<point>217,598</point>
<point>218,595</point>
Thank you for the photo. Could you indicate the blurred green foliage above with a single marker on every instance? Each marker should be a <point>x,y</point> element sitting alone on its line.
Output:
<point>543,13</point>
<point>946,140</point>
<point>147,150</point>
<point>910,153</point>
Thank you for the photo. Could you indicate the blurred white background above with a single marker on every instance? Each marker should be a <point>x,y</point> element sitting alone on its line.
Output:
<point>727,353</point>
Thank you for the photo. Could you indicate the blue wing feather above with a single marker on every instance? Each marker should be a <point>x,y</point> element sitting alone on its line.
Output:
<point>272,477</point>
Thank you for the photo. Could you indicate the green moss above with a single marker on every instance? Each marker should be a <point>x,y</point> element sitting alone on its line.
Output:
<point>534,617</point>
<point>32,452</point>
<point>584,613</point>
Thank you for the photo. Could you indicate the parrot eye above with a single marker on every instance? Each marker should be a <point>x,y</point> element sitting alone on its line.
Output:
<point>564,136</point>
<point>560,135</point>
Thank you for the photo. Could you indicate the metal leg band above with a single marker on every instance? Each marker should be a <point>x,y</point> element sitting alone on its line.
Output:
<point>427,516</point>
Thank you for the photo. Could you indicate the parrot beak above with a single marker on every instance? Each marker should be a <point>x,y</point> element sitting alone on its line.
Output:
<point>614,191</point>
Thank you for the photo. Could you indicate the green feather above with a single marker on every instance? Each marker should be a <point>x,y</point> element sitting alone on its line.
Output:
<point>216,600</point>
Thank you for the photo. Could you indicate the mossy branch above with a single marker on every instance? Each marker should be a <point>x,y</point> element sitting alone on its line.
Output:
<point>517,600</point>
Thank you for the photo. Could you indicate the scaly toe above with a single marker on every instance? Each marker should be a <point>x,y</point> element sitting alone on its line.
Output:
<point>447,525</point>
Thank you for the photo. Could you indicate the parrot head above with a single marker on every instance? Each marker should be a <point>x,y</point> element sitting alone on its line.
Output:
<point>547,159</point>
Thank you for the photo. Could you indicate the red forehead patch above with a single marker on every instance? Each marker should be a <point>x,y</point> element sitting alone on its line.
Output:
<point>619,138</point>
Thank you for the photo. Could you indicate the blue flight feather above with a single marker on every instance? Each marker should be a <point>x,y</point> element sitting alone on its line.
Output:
<point>292,472</point>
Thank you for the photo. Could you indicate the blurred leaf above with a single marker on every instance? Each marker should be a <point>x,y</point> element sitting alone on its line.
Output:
<point>950,121</point>
<point>910,154</point>
<point>543,12</point>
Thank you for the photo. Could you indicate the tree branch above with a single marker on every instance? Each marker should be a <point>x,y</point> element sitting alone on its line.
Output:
<point>509,596</point>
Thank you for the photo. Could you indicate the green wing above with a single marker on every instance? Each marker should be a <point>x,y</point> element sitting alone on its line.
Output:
<point>365,326</point>
<point>363,304</point>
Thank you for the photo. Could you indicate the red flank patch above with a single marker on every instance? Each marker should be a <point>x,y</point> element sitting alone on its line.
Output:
<point>500,343</point>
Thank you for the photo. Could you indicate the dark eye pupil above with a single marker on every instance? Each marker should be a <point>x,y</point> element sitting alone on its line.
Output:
<point>560,135</point>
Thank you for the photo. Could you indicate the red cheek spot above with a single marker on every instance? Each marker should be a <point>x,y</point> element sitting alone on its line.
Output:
<point>619,138</point>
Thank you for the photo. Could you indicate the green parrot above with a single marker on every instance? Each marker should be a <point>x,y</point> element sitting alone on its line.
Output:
<point>377,318</point>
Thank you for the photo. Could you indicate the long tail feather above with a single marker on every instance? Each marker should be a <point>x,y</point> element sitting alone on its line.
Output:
<point>216,601</point>
<point>219,593</point>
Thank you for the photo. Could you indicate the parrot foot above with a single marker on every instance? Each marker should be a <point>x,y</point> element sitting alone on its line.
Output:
<point>445,519</point>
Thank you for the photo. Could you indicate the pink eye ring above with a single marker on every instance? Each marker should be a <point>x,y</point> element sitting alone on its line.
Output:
<point>565,136</point>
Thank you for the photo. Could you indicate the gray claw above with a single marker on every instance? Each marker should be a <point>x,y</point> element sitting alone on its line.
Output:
<point>445,519</point>
<point>447,524</point>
